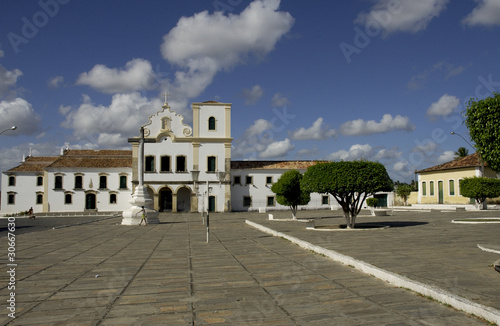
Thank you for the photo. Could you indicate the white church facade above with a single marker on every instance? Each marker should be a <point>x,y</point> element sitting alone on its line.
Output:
<point>186,169</point>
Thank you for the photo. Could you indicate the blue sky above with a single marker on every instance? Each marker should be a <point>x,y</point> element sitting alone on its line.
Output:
<point>384,80</point>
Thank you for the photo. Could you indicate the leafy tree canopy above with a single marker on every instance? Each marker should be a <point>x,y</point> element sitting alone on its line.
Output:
<point>349,182</point>
<point>461,152</point>
<point>480,188</point>
<point>482,118</point>
<point>288,191</point>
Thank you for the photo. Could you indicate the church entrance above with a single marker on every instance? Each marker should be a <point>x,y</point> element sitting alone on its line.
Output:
<point>165,200</point>
<point>183,200</point>
<point>90,201</point>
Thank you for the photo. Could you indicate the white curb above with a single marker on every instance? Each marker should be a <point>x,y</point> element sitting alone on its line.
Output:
<point>488,313</point>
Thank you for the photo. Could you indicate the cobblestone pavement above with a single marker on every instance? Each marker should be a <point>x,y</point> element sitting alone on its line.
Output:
<point>103,273</point>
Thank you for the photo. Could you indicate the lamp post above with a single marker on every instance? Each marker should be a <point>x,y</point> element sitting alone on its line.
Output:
<point>11,128</point>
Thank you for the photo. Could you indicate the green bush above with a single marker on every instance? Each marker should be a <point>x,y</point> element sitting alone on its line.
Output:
<point>372,202</point>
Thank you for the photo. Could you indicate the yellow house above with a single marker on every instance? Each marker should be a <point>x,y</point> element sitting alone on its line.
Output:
<point>440,184</point>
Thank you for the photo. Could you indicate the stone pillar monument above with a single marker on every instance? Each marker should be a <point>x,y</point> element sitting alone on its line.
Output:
<point>140,198</point>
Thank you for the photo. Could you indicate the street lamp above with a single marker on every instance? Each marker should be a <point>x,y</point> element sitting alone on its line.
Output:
<point>11,128</point>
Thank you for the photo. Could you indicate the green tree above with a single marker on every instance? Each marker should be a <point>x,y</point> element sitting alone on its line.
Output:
<point>348,182</point>
<point>482,118</point>
<point>404,190</point>
<point>480,188</point>
<point>461,152</point>
<point>289,193</point>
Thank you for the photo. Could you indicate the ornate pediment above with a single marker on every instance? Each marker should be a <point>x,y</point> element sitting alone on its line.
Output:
<point>167,123</point>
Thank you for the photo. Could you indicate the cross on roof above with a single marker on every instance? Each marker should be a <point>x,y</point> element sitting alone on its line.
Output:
<point>166,93</point>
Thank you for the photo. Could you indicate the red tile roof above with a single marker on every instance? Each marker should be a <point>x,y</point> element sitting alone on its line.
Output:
<point>94,159</point>
<point>278,165</point>
<point>464,162</point>
<point>34,164</point>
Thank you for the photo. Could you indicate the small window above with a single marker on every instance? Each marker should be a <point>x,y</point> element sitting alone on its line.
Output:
<point>58,182</point>
<point>247,201</point>
<point>211,164</point>
<point>248,180</point>
<point>103,182</point>
<point>11,199</point>
<point>452,187</point>
<point>112,198</point>
<point>237,180</point>
<point>165,164</point>
<point>324,200</point>
<point>431,188</point>
<point>149,164</point>
<point>78,182</point>
<point>39,199</point>
<point>123,182</point>
<point>39,181</point>
<point>269,180</point>
<point>181,164</point>
<point>270,201</point>
<point>211,123</point>
<point>68,199</point>
<point>12,181</point>
<point>424,188</point>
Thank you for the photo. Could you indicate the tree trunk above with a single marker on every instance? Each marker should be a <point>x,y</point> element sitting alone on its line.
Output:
<point>294,213</point>
<point>350,219</point>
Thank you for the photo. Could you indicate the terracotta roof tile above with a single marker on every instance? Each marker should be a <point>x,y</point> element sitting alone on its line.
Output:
<point>94,159</point>
<point>34,164</point>
<point>287,165</point>
<point>464,162</point>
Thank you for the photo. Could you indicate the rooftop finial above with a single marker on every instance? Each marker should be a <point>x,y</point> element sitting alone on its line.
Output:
<point>166,94</point>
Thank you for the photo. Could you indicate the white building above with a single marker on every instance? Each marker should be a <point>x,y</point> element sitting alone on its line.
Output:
<point>185,169</point>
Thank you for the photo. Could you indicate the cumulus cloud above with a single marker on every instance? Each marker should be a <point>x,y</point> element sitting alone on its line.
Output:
<point>8,79</point>
<point>254,140</point>
<point>20,113</point>
<point>308,152</point>
<point>318,131</point>
<point>387,154</point>
<point>109,126</point>
<point>444,106</point>
<point>403,15</point>
<point>428,148</point>
<point>279,100</point>
<point>56,82</point>
<point>204,44</point>
<point>446,156</point>
<point>486,13</point>
<point>386,124</point>
<point>356,152</point>
<point>277,149</point>
<point>252,95</point>
<point>137,75</point>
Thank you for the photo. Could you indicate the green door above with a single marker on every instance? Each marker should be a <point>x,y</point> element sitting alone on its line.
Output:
<point>440,190</point>
<point>211,203</point>
<point>90,201</point>
<point>382,200</point>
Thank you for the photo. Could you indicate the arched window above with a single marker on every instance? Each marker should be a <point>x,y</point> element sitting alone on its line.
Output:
<point>58,182</point>
<point>211,123</point>
<point>149,164</point>
<point>12,181</point>
<point>123,182</point>
<point>78,182</point>
<point>103,182</point>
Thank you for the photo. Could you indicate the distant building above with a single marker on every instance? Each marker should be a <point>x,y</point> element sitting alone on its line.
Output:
<point>186,169</point>
<point>440,184</point>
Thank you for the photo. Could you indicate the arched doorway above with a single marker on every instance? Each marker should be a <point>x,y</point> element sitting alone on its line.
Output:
<point>90,201</point>
<point>183,200</point>
<point>165,200</point>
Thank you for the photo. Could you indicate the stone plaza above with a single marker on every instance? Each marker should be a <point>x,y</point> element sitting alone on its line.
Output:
<point>94,271</point>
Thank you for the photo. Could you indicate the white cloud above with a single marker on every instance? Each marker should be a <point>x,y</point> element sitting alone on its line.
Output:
<point>486,13</point>
<point>109,126</point>
<point>1,54</point>
<point>308,152</point>
<point>444,106</point>
<point>318,131</point>
<point>386,124</point>
<point>356,152</point>
<point>440,70</point>
<point>8,79</point>
<point>254,140</point>
<point>428,148</point>
<point>279,100</point>
<point>21,114</point>
<point>402,16</point>
<point>277,149</point>
<point>446,157</point>
<point>56,82</point>
<point>387,154</point>
<point>252,95</point>
<point>204,44</point>
<point>137,75</point>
